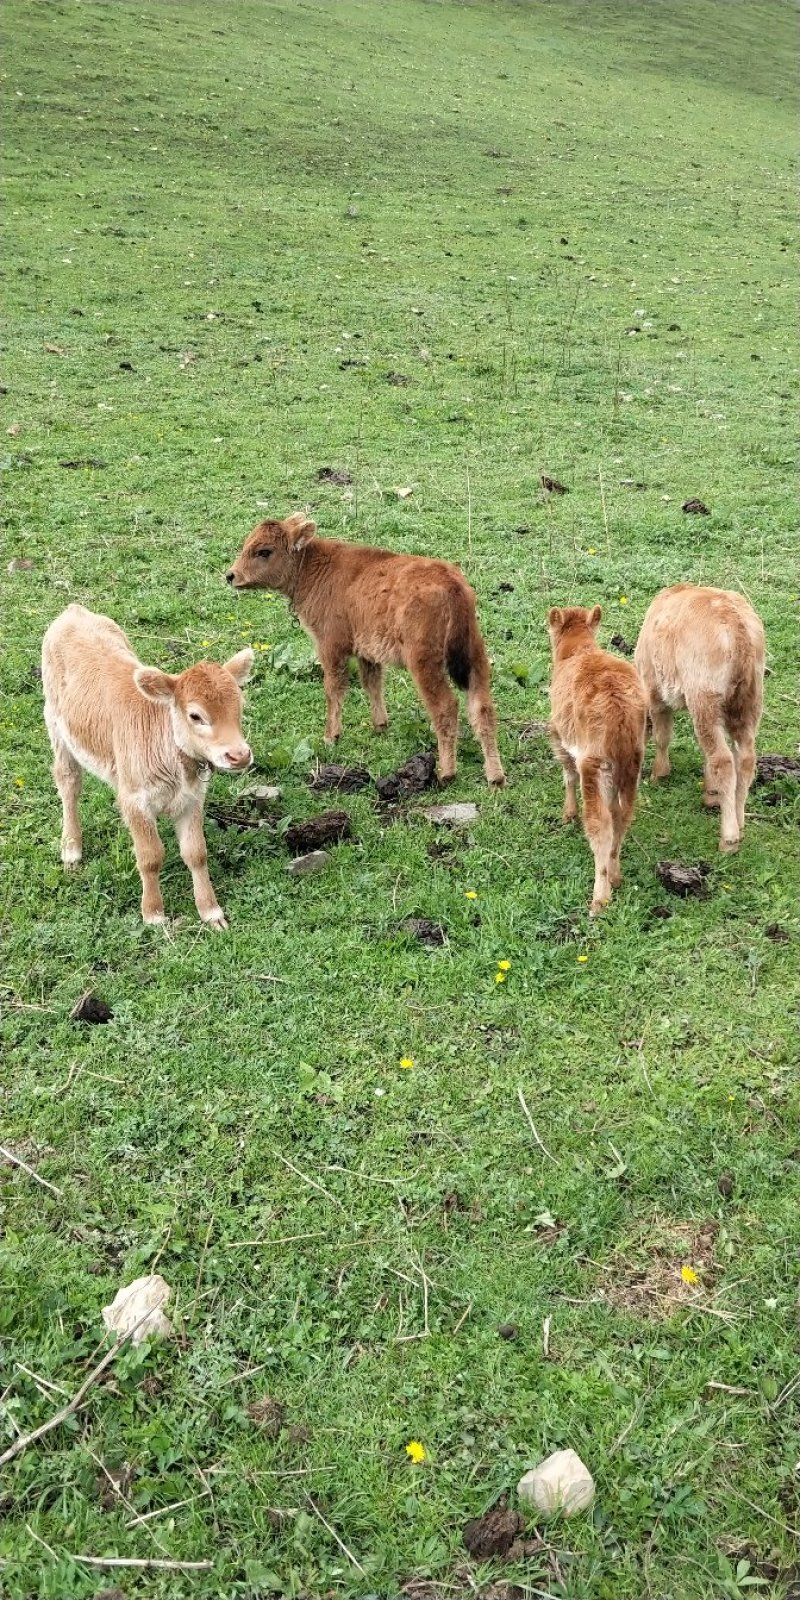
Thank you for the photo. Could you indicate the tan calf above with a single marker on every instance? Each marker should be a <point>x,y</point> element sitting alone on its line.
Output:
<point>153,736</point>
<point>597,727</point>
<point>382,608</point>
<point>703,650</point>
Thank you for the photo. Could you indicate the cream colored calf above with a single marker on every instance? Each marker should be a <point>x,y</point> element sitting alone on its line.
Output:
<point>703,649</point>
<point>153,736</point>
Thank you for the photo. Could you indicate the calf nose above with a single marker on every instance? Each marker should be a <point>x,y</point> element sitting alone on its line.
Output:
<point>229,576</point>
<point>241,757</point>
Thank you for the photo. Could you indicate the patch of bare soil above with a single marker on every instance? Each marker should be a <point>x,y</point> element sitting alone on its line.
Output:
<point>337,475</point>
<point>618,643</point>
<point>425,931</point>
<point>552,485</point>
<point>268,1414</point>
<point>648,1280</point>
<point>695,508</point>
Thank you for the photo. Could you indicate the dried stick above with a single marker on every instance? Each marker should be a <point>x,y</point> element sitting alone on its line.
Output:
<point>72,1405</point>
<point>542,1147</point>
<point>17,1161</point>
<point>311,1181</point>
<point>334,1535</point>
<point>134,1561</point>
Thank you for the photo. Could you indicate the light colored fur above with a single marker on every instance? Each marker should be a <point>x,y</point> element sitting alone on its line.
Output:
<point>153,736</point>
<point>703,650</point>
<point>597,728</point>
<point>383,609</point>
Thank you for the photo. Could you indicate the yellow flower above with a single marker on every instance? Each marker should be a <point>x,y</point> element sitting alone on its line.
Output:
<point>406,1061</point>
<point>504,966</point>
<point>20,783</point>
<point>689,1275</point>
<point>583,958</point>
<point>204,642</point>
<point>499,977</point>
<point>470,894</point>
<point>416,1451</point>
<point>623,599</point>
<point>591,551</point>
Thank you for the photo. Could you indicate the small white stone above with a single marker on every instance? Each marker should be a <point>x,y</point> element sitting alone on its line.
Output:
<point>459,815</point>
<point>136,1310</point>
<point>561,1483</point>
<point>302,866</point>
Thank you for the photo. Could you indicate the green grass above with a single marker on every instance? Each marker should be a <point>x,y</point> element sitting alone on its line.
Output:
<point>484,198</point>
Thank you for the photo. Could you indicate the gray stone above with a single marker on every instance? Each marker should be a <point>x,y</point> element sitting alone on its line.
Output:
<point>453,816</point>
<point>303,866</point>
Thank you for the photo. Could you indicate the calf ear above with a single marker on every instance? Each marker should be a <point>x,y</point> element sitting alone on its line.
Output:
<point>593,618</point>
<point>240,666</point>
<point>299,530</point>
<point>555,617</point>
<point>155,685</point>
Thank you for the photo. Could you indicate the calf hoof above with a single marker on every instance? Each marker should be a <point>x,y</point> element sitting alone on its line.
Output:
<point>660,772</point>
<point>711,801</point>
<point>444,778</point>
<point>214,919</point>
<point>597,906</point>
<point>495,777</point>
<point>729,846</point>
<point>330,738</point>
<point>615,877</point>
<point>71,861</point>
<point>380,727</point>
<point>154,919</point>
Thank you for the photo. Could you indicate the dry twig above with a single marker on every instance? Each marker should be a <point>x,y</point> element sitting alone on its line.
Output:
<point>17,1161</point>
<point>542,1147</point>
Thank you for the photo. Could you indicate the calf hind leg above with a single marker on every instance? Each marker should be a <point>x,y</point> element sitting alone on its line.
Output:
<point>483,721</point>
<point>442,708</point>
<point>720,769</point>
<point>598,825</point>
<point>372,680</point>
<point>744,757</point>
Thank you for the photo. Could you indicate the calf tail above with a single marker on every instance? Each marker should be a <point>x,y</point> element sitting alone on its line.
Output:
<point>468,666</point>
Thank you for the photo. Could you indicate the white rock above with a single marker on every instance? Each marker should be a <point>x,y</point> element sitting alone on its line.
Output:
<point>138,1307</point>
<point>561,1483</point>
<point>459,815</point>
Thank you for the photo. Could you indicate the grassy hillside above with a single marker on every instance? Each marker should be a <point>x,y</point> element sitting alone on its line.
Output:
<point>443,248</point>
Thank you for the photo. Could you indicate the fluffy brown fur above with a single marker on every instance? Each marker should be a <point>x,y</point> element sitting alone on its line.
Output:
<point>383,609</point>
<point>153,736</point>
<point>703,649</point>
<point>597,728</point>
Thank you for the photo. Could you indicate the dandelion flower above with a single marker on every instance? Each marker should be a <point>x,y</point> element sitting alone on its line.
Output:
<point>689,1275</point>
<point>20,783</point>
<point>623,599</point>
<point>416,1451</point>
<point>582,958</point>
<point>504,966</point>
<point>499,977</point>
<point>406,1062</point>
<point>470,894</point>
<point>591,551</point>
<point>204,643</point>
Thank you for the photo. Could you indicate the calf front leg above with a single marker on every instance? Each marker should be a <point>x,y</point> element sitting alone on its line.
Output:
<point>192,846</point>
<point>149,859</point>
<point>334,671</point>
<point>68,777</point>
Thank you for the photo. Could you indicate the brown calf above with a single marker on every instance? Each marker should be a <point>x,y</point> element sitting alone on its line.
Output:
<point>703,650</point>
<point>381,608</point>
<point>153,736</point>
<point>597,727</point>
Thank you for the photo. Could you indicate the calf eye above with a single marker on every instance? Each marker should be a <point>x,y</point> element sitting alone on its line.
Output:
<point>264,554</point>
<point>194,716</point>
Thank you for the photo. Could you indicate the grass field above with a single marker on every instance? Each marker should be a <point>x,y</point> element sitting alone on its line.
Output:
<point>570,229</point>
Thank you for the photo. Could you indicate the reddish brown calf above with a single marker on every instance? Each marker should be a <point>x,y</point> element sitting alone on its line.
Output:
<point>383,609</point>
<point>597,728</point>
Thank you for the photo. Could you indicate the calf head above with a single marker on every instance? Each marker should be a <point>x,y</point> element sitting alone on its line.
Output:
<point>577,621</point>
<point>269,557</point>
<point>205,704</point>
